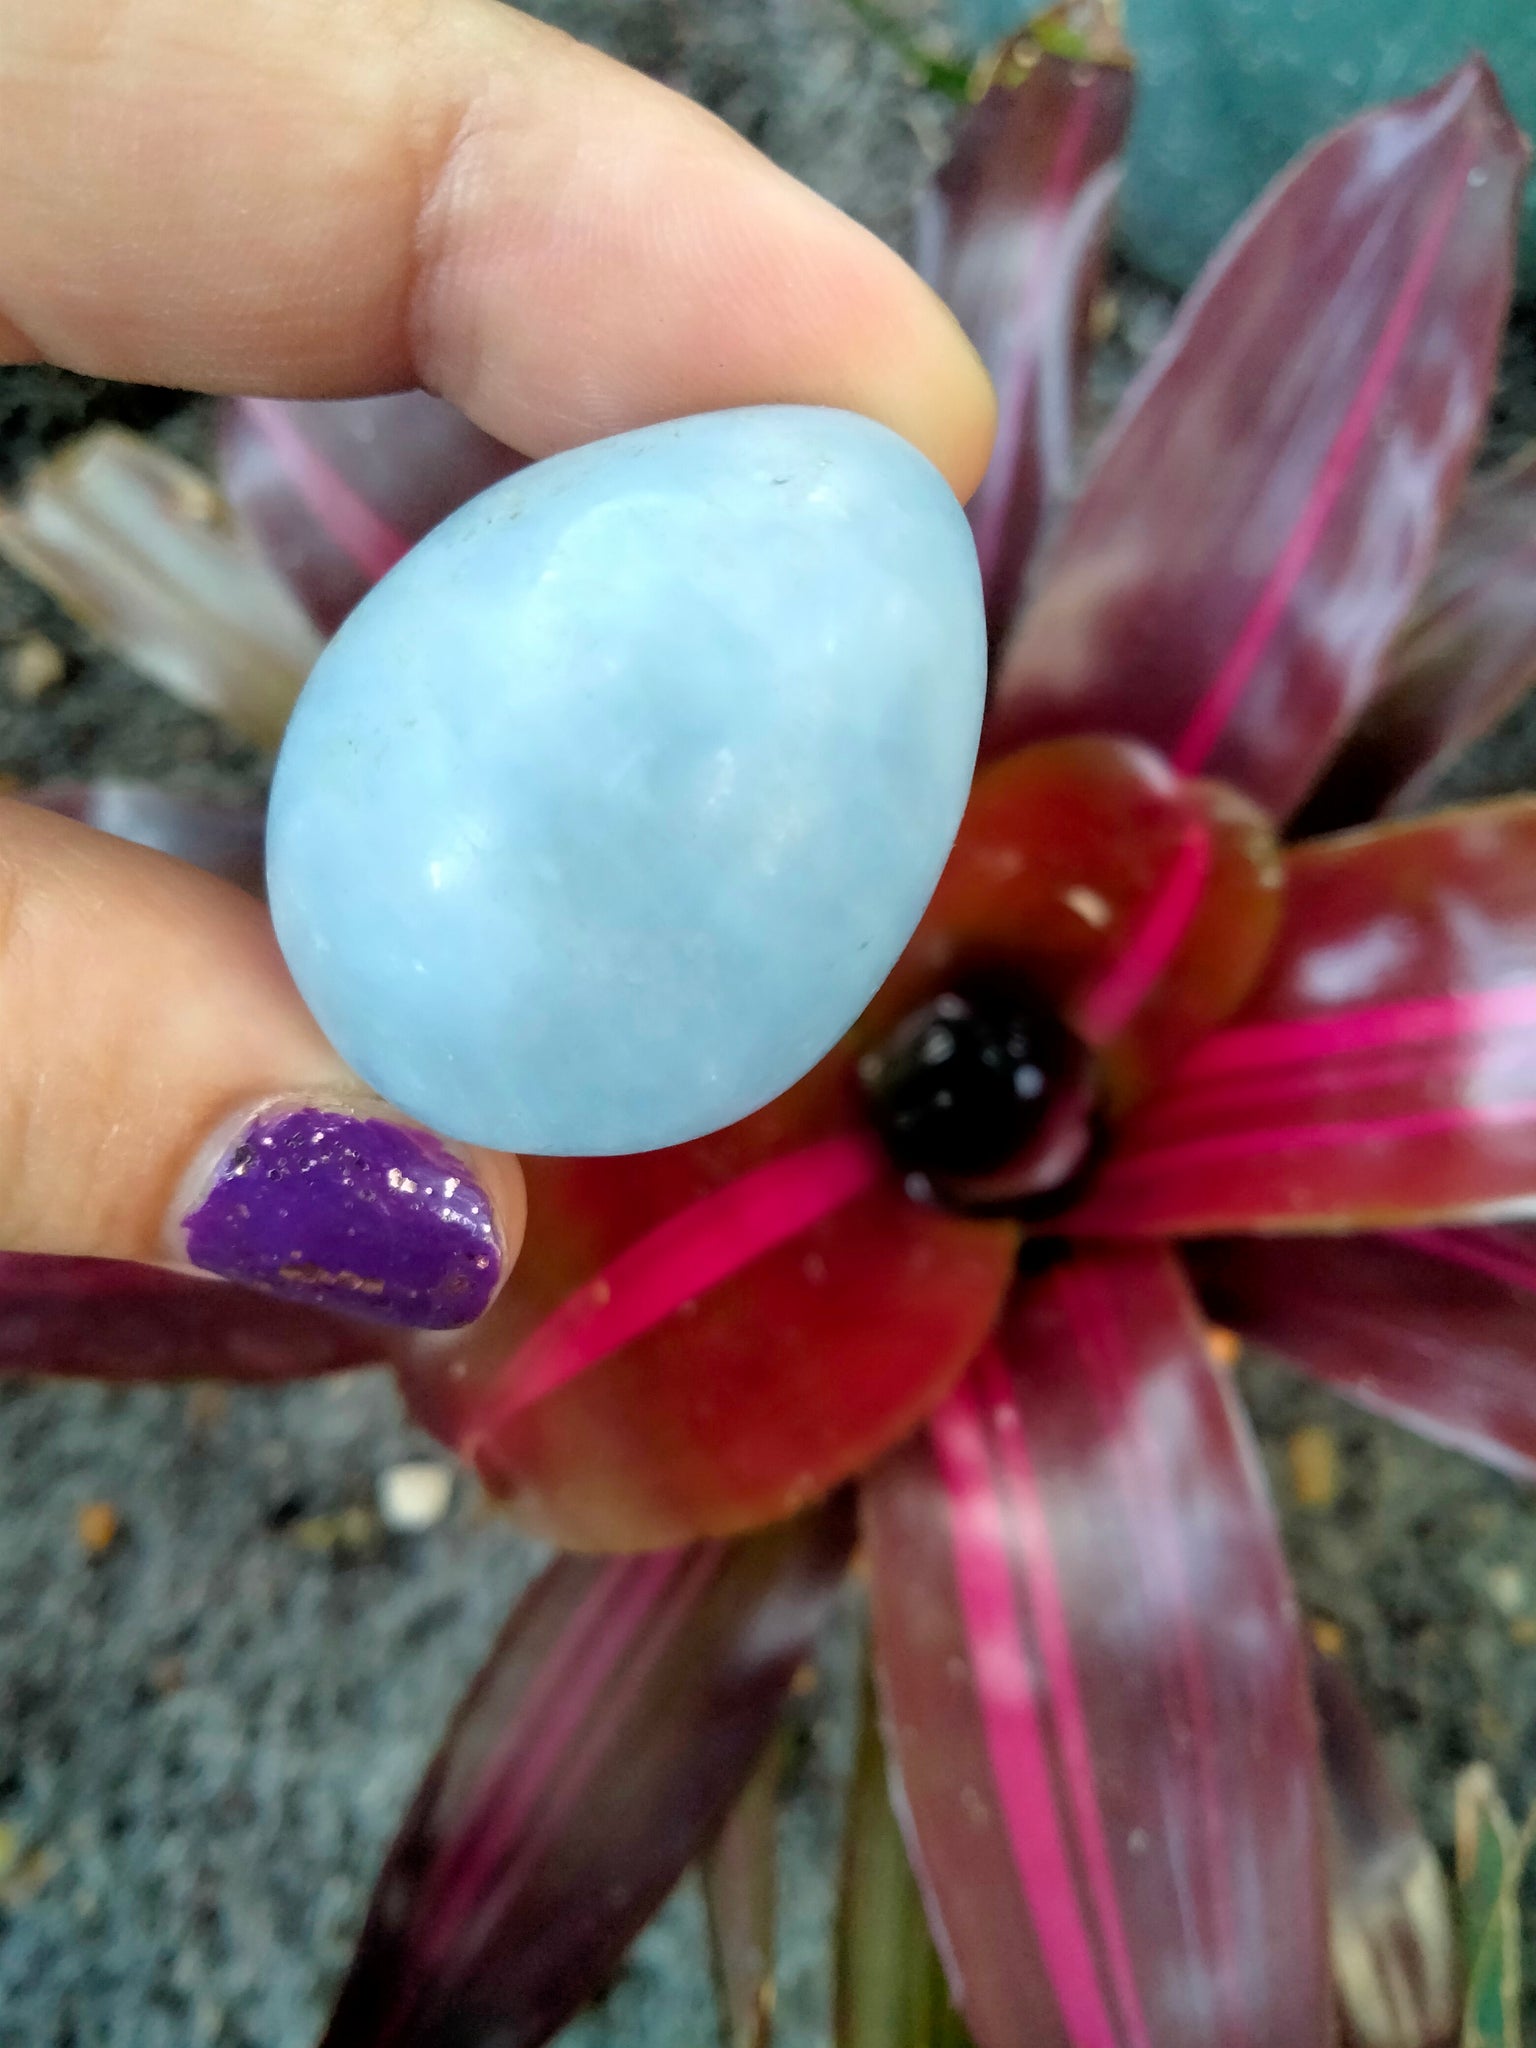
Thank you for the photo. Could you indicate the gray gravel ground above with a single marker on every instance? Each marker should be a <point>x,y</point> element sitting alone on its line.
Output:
<point>208,1731</point>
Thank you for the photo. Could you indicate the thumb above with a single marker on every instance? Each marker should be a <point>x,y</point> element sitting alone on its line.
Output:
<point>311,198</point>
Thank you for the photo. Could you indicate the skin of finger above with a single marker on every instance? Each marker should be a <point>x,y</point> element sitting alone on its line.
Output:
<point>143,1004</point>
<point>325,196</point>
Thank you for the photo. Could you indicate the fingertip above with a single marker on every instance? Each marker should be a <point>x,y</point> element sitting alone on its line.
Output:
<point>501,1174</point>
<point>341,1204</point>
<point>938,394</point>
<point>693,273</point>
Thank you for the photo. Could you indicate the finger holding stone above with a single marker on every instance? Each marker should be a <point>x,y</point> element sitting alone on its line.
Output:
<point>166,1097</point>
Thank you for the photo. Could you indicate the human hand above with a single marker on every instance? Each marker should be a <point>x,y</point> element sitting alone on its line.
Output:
<point>319,198</point>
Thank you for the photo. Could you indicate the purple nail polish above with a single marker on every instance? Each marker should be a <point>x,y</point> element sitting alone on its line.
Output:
<point>351,1213</point>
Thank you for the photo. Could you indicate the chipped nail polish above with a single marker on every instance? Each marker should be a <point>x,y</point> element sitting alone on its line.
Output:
<point>349,1212</point>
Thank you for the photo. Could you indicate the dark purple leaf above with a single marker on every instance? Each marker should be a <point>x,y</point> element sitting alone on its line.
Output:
<point>1393,1943</point>
<point>1469,653</point>
<point>740,1876</point>
<point>1011,233</point>
<point>104,1319</point>
<point>1095,1685</point>
<point>1383,1073</point>
<point>336,490</point>
<point>1267,502</point>
<point>225,839</point>
<point>601,1746</point>
<point>1435,1328</point>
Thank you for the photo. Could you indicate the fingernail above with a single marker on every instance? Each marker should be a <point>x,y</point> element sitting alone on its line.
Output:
<point>349,1212</point>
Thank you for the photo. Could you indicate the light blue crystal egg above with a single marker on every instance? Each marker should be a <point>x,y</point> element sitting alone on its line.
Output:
<point>605,814</point>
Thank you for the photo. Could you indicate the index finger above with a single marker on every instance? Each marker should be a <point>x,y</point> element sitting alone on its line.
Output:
<point>308,199</point>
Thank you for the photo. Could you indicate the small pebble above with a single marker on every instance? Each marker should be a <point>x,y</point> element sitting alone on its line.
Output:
<point>1506,1588</point>
<point>21,1884</point>
<point>414,1497</point>
<point>350,1532</point>
<point>1223,1347</point>
<point>168,1675</point>
<point>1522,1632</point>
<point>1492,1724</point>
<point>33,666</point>
<point>192,497</point>
<point>207,1405</point>
<point>1327,1637</point>
<point>1314,1467</point>
<point>1089,905</point>
<point>1103,318</point>
<point>96,1527</point>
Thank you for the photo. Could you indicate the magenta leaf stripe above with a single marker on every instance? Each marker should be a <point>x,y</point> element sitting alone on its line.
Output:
<point>529,1778</point>
<point>1008,1696</point>
<point>1211,715</point>
<point>369,541</point>
<point>1318,1040</point>
<point>614,1724</point>
<point>1433,1328</point>
<point>1487,1252</point>
<point>1250,539</point>
<point>1108,1365</point>
<point>1100,1210</point>
<point>1046,385</point>
<point>698,1248</point>
<point>516,1808</point>
<point>1064,226</point>
<point>1411,1070</point>
<point>1010,233</point>
<point>1109,1782</point>
<point>1114,1000</point>
<point>1053,1634</point>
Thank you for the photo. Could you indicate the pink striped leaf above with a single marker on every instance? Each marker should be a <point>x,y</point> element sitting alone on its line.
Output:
<point>107,1320</point>
<point>1012,234</point>
<point>1095,1685</point>
<point>1383,1075</point>
<point>1434,1328</point>
<point>1390,1923</point>
<point>615,1722</point>
<point>336,490</point>
<point>1267,501</point>
<point>1468,655</point>
<point>226,839</point>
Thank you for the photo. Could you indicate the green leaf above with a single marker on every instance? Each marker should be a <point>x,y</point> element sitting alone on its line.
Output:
<point>938,74</point>
<point>890,1991</point>
<point>1491,1856</point>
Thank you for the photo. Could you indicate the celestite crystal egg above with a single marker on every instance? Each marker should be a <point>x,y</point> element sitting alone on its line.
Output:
<point>607,811</point>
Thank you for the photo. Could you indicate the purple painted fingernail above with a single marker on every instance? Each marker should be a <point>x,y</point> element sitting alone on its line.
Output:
<point>349,1212</point>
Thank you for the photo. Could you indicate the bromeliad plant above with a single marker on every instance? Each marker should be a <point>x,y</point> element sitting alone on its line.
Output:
<point>1145,1066</point>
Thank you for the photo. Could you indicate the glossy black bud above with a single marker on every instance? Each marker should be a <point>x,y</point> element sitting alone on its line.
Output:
<point>970,1084</point>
